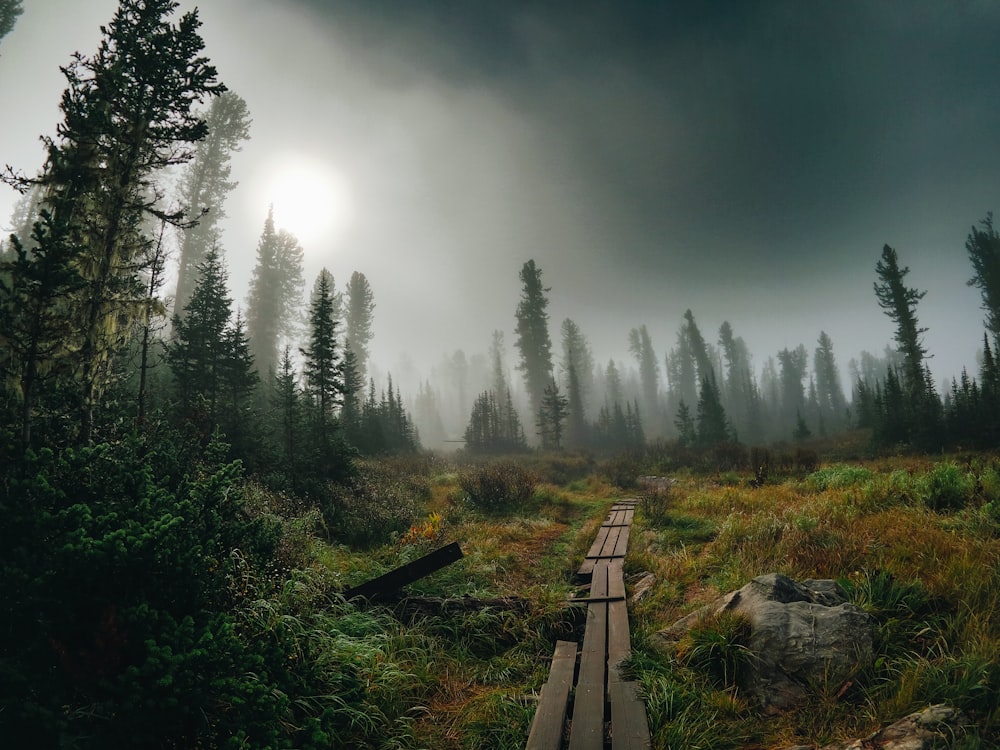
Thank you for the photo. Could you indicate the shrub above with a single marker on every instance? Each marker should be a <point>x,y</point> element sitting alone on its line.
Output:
<point>497,487</point>
<point>947,487</point>
<point>374,508</point>
<point>653,503</point>
<point>622,471</point>
<point>838,477</point>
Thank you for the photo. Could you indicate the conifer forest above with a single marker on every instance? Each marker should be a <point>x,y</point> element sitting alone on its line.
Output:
<point>193,475</point>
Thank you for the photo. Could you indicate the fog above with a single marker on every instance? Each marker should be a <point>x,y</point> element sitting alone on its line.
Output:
<point>747,161</point>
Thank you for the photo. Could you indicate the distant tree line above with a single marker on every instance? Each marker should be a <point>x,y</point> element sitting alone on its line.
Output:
<point>711,394</point>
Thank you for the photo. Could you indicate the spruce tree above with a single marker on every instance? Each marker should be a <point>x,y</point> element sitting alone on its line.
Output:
<point>533,340</point>
<point>9,12</point>
<point>359,319</point>
<point>322,361</point>
<point>552,416</point>
<point>983,246</point>
<point>198,354</point>
<point>206,183</point>
<point>640,345</point>
<point>275,294</point>
<point>129,112</point>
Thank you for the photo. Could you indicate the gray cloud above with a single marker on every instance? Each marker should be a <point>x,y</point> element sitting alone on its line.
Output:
<point>745,160</point>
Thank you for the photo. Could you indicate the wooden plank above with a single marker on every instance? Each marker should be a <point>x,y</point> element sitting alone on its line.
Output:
<point>621,543</point>
<point>619,639</point>
<point>405,574</point>
<point>587,727</point>
<point>598,545</point>
<point>549,724</point>
<point>611,541</point>
<point>629,726</point>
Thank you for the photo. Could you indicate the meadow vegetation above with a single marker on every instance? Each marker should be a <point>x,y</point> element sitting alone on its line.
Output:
<point>242,638</point>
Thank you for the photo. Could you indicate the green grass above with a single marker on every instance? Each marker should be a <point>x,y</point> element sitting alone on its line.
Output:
<point>914,542</point>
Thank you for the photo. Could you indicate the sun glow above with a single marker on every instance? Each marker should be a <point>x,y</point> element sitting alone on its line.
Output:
<point>311,200</point>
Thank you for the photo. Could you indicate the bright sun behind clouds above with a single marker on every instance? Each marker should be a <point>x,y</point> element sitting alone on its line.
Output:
<point>311,199</point>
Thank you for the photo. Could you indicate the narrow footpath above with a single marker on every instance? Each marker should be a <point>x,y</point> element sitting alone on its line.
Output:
<point>586,704</point>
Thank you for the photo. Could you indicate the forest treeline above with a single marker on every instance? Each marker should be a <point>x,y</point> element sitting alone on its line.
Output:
<point>131,414</point>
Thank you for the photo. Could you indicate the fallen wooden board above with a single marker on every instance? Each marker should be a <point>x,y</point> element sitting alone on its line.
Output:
<point>406,574</point>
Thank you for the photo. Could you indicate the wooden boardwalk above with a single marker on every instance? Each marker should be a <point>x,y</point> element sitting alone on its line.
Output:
<point>585,690</point>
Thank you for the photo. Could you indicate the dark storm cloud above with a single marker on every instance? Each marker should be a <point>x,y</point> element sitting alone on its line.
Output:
<point>745,160</point>
<point>781,143</point>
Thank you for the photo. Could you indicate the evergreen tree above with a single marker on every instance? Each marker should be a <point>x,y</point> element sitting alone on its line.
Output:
<point>206,183</point>
<point>900,304</point>
<point>323,384</point>
<point>286,400</point>
<point>577,367</point>
<point>713,427</point>
<point>698,347</point>
<point>275,294</point>
<point>128,114</point>
<point>533,340</point>
<point>322,361</point>
<point>34,288</point>
<point>793,364</point>
<point>576,352</point>
<point>829,394</point>
<point>352,397</point>
<point>9,12</point>
<point>552,416</point>
<point>983,246</point>
<point>911,409</point>
<point>208,357</point>
<point>640,345</point>
<point>687,433</point>
<point>360,309</point>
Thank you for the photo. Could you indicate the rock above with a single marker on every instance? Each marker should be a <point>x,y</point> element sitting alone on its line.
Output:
<point>935,726</point>
<point>643,586</point>
<point>803,636</point>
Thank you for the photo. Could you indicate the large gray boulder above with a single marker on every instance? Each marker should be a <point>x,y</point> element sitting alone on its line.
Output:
<point>804,637</point>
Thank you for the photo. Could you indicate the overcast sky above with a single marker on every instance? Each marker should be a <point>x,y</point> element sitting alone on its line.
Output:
<point>745,160</point>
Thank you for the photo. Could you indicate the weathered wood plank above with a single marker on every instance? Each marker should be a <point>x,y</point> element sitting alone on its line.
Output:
<point>619,639</point>
<point>405,574</point>
<point>599,540</point>
<point>611,541</point>
<point>587,727</point>
<point>549,724</point>
<point>629,726</point>
<point>621,543</point>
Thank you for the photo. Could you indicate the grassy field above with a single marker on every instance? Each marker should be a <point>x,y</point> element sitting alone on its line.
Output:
<point>915,541</point>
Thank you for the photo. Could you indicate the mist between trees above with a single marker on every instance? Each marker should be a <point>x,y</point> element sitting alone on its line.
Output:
<point>117,311</point>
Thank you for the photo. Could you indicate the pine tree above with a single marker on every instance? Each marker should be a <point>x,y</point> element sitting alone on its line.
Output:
<point>713,427</point>
<point>275,294</point>
<point>34,289</point>
<point>552,416</point>
<point>640,346</point>
<point>287,408</point>
<point>533,340</point>
<point>900,303</point>
<point>128,114</point>
<point>198,354</point>
<point>829,394</point>
<point>359,319</point>
<point>687,433</point>
<point>983,246</point>
<point>324,385</point>
<point>576,352</point>
<point>322,362</point>
<point>9,12</point>
<point>206,183</point>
